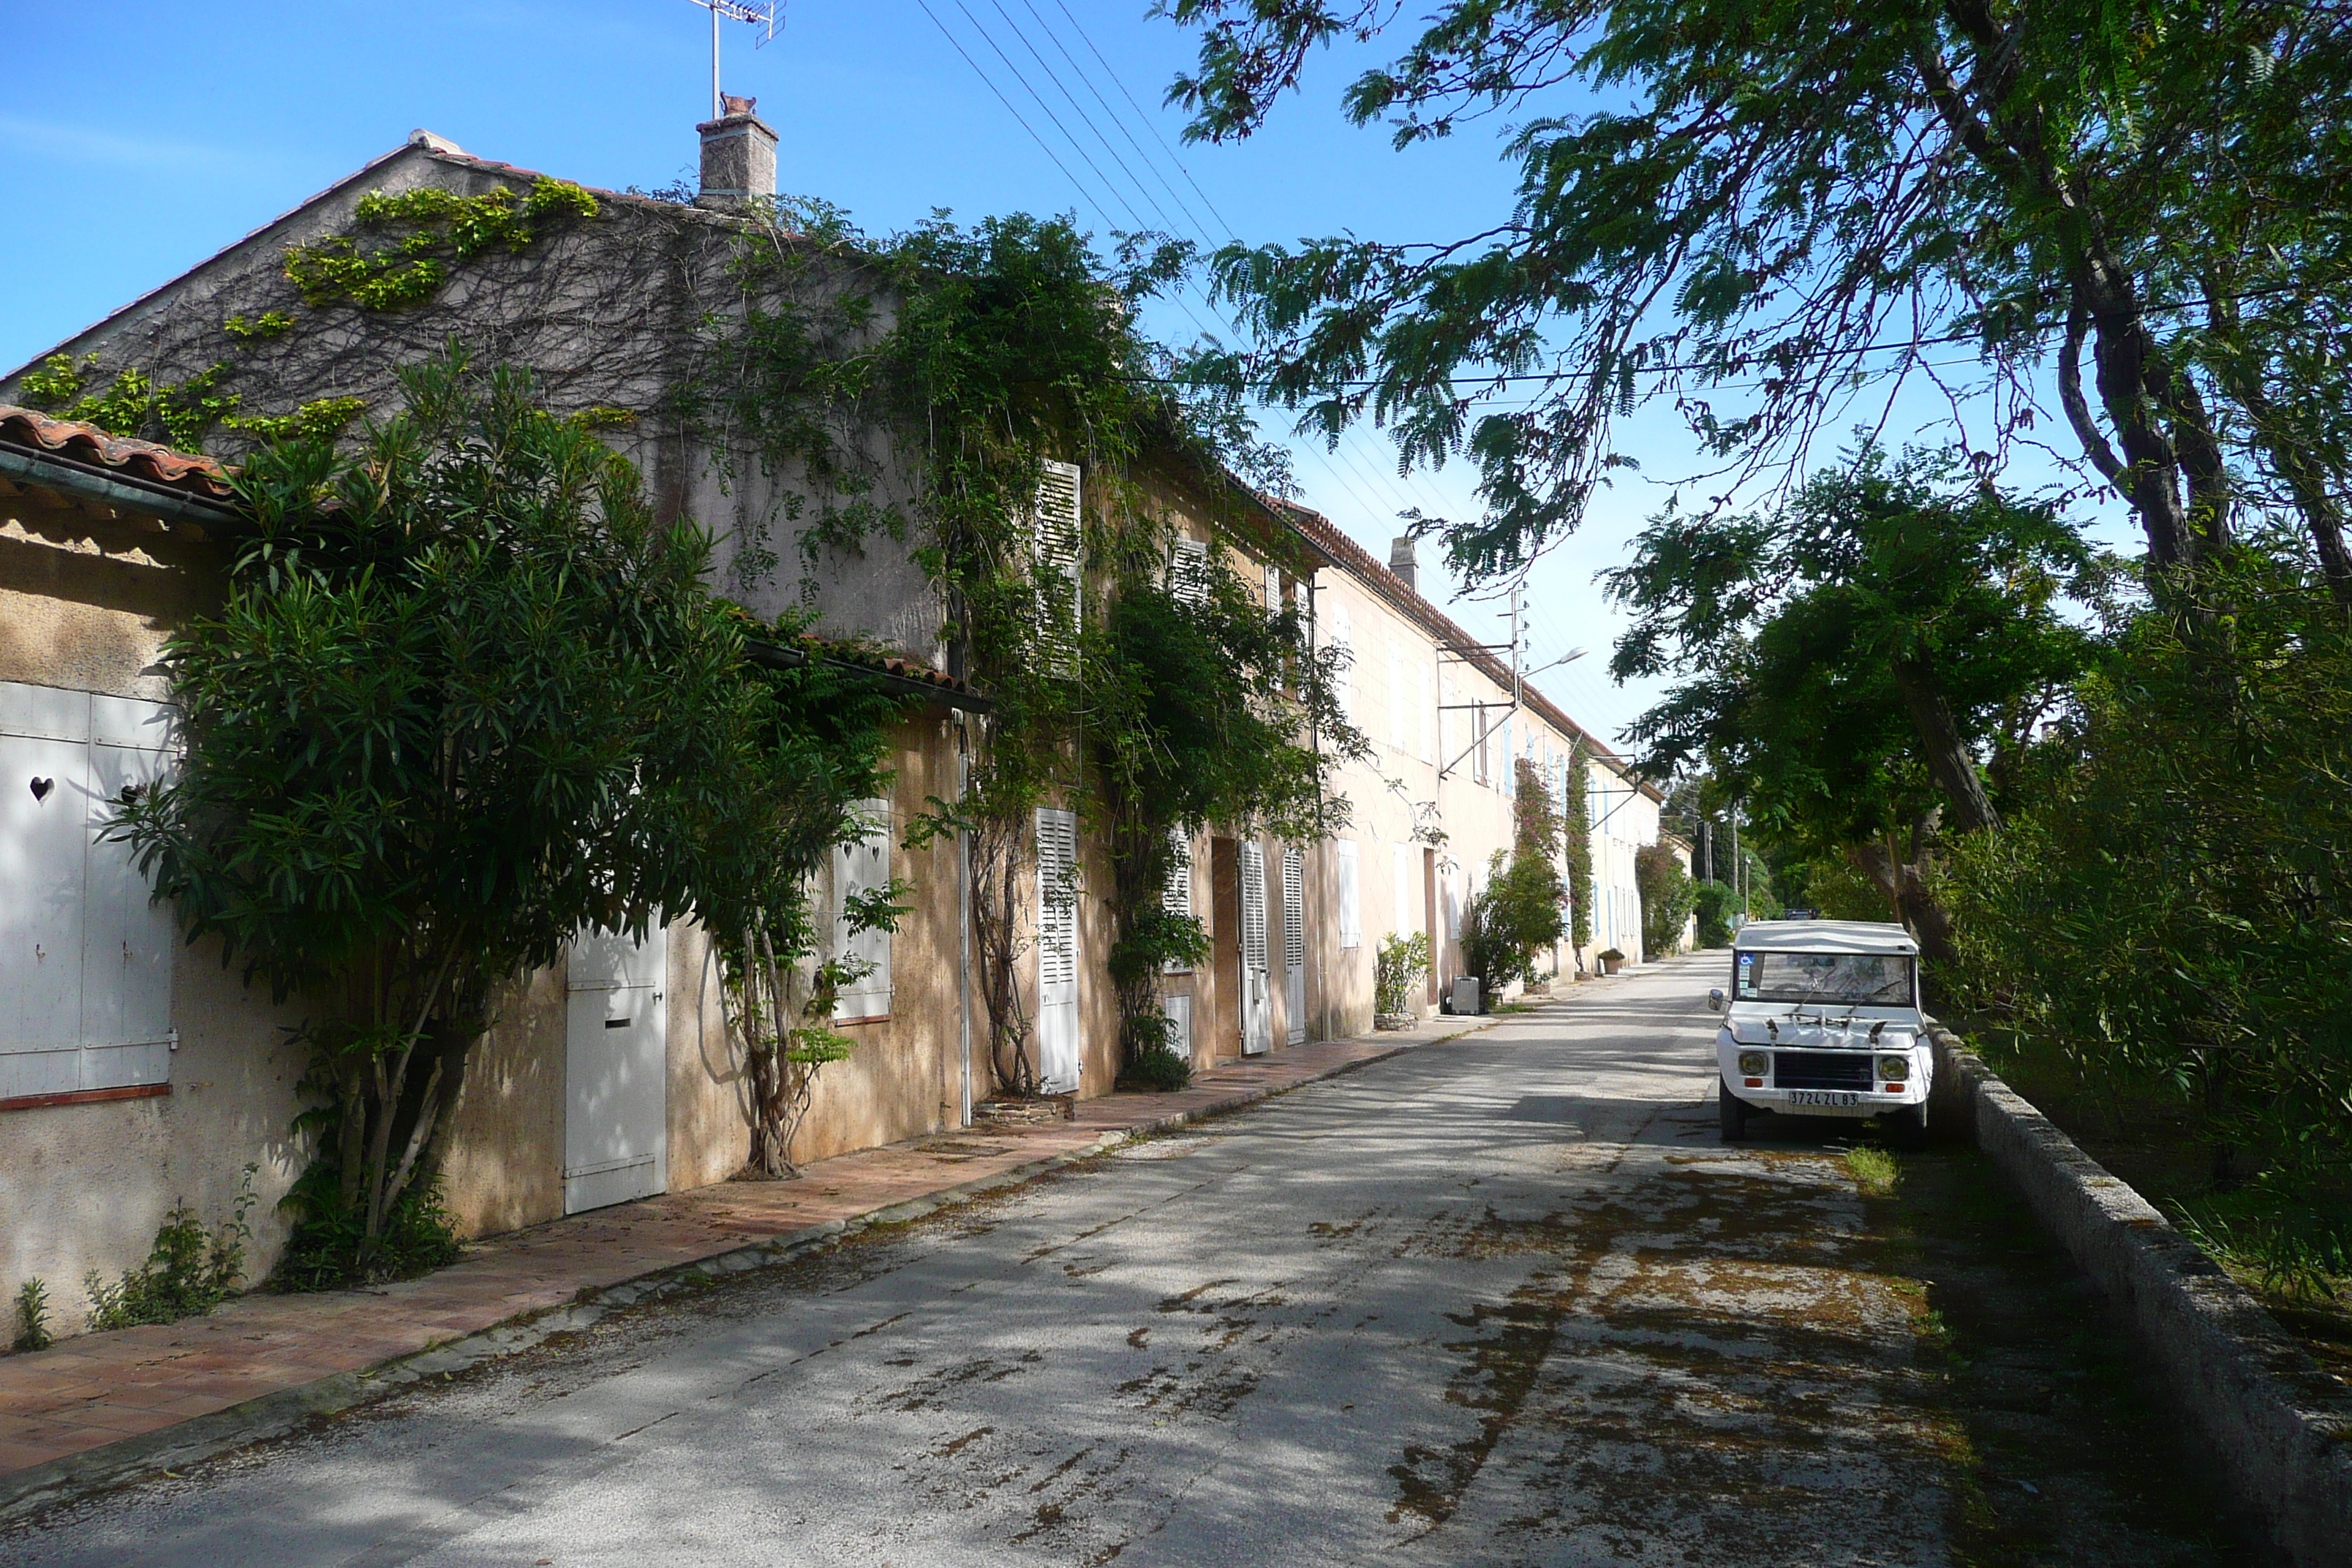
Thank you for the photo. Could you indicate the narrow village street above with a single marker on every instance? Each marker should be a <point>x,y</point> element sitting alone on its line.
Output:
<point>1504,1300</point>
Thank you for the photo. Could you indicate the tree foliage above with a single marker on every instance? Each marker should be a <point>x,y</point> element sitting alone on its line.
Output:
<point>2174,907</point>
<point>1760,212</point>
<point>1854,662</point>
<point>467,696</point>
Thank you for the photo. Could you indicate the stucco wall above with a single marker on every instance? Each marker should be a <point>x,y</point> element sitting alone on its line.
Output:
<point>86,604</point>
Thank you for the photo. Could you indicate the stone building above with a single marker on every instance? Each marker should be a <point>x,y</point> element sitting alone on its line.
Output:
<point>106,547</point>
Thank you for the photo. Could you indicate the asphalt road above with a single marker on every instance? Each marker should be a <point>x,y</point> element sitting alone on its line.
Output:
<point>1501,1300</point>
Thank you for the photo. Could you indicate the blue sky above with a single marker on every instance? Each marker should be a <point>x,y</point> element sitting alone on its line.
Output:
<point>187,127</point>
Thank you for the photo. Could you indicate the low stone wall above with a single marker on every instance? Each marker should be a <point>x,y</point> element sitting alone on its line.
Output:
<point>2280,1431</point>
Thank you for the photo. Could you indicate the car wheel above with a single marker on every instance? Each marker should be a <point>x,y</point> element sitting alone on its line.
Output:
<point>1907,1128</point>
<point>1732,1112</point>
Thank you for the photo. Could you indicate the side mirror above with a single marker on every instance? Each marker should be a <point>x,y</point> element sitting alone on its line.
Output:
<point>1714,1000</point>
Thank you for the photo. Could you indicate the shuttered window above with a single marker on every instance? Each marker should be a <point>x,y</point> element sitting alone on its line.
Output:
<point>1294,909</point>
<point>1188,571</point>
<point>1060,569</point>
<point>861,870</point>
<point>1352,916</point>
<point>1253,864</point>
<point>1057,897</point>
<point>1177,896</point>
<point>85,952</point>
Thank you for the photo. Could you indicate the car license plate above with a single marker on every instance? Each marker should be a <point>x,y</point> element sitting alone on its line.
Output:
<point>1821,1097</point>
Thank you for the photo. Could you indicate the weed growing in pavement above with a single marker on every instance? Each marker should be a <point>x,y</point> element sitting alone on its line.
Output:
<point>187,1272</point>
<point>32,1316</point>
<point>1874,1170</point>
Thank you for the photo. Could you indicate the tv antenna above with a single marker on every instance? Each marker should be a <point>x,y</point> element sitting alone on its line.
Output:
<point>768,16</point>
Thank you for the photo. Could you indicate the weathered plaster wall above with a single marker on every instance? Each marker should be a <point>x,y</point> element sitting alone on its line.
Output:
<point>503,1165</point>
<point>86,604</point>
<point>607,312</point>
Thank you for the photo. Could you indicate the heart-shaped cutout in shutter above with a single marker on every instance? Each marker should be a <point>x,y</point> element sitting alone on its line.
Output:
<point>41,788</point>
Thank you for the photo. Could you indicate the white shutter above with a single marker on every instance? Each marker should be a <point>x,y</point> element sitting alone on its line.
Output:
<point>1061,568</point>
<point>1060,1049</point>
<point>1343,643</point>
<point>1351,917</point>
<point>1178,1010</point>
<point>1188,571</point>
<point>1272,589</point>
<point>1294,908</point>
<point>1406,918</point>
<point>1177,896</point>
<point>85,951</point>
<point>1509,783</point>
<point>1057,915</point>
<point>1253,863</point>
<point>861,868</point>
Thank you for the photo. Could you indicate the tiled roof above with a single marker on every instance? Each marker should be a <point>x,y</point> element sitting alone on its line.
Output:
<point>889,664</point>
<point>1358,563</point>
<point>87,444</point>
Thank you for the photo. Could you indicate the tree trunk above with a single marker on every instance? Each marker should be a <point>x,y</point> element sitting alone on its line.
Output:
<point>1947,756</point>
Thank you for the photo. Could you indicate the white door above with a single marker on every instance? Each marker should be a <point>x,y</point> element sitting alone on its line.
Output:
<point>1059,1055</point>
<point>1179,1013</point>
<point>1257,1022</point>
<point>615,1071</point>
<point>1294,945</point>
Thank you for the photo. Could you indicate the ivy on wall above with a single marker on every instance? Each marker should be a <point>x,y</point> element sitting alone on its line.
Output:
<point>431,231</point>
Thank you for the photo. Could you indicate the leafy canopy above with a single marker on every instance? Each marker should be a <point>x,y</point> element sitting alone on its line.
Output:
<point>1760,210</point>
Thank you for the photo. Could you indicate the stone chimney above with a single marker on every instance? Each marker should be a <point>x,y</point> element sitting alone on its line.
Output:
<point>738,157</point>
<point>1402,562</point>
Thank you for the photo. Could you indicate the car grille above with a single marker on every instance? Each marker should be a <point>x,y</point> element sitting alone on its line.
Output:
<point>1821,1069</point>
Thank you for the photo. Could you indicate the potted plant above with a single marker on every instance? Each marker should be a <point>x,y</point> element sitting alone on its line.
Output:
<point>1610,959</point>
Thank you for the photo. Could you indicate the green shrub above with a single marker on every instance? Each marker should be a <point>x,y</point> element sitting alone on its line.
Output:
<point>1397,968</point>
<point>188,1271</point>
<point>32,1316</point>
<point>1714,903</point>
<point>1159,1068</point>
<point>1667,898</point>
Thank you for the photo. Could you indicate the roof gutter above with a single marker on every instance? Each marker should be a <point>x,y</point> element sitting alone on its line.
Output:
<point>127,492</point>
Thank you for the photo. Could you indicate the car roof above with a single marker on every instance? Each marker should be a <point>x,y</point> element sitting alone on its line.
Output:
<point>1824,936</point>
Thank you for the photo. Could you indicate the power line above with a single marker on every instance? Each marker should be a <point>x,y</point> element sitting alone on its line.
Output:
<point>1117,82</point>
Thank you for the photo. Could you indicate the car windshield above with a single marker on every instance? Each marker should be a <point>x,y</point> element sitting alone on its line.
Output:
<point>1882,979</point>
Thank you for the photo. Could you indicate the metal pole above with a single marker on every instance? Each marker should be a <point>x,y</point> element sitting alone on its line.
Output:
<point>963,907</point>
<point>717,104</point>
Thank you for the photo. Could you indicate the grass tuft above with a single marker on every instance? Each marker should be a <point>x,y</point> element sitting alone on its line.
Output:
<point>1874,1170</point>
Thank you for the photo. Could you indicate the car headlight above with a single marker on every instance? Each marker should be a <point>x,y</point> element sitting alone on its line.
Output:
<point>1753,1063</point>
<point>1895,1070</point>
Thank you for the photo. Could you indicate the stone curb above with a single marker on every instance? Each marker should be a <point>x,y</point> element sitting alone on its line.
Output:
<point>39,1487</point>
<point>2283,1442</point>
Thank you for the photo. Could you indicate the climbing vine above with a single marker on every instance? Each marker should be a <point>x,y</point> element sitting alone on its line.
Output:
<point>430,231</point>
<point>984,354</point>
<point>1576,833</point>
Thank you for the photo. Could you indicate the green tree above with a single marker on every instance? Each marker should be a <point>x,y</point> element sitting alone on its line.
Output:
<point>1668,897</point>
<point>466,695</point>
<point>1756,211</point>
<point>1523,907</point>
<point>1204,708</point>
<point>2174,909</point>
<point>1852,660</point>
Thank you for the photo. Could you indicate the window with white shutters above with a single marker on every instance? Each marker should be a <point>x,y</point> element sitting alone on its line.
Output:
<point>1188,571</point>
<point>1177,896</point>
<point>1343,678</point>
<point>1253,953</point>
<point>85,952</point>
<point>1057,897</point>
<point>1294,909</point>
<point>1061,579</point>
<point>1352,915</point>
<point>861,870</point>
<point>1272,589</point>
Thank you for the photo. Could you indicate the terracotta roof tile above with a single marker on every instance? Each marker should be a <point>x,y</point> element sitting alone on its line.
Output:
<point>197,475</point>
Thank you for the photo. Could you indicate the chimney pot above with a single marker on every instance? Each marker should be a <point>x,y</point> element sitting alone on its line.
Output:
<point>1402,562</point>
<point>738,157</point>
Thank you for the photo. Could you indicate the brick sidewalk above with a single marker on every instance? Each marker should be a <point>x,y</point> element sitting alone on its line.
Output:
<point>102,1407</point>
